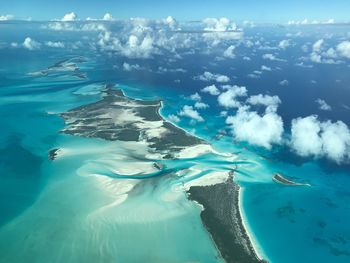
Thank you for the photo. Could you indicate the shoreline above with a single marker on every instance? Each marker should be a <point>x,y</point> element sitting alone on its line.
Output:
<point>222,214</point>
<point>222,217</point>
<point>257,248</point>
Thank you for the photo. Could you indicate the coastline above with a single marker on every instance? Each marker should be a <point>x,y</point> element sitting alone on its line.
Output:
<point>223,220</point>
<point>222,215</point>
<point>257,248</point>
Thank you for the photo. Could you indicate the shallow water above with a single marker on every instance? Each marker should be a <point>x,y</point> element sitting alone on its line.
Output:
<point>72,209</point>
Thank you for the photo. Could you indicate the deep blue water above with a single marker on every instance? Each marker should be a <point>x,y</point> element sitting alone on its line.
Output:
<point>301,224</point>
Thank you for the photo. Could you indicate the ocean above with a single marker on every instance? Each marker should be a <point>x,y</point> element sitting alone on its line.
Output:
<point>70,209</point>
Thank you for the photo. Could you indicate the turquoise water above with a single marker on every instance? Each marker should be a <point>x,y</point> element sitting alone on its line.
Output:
<point>65,209</point>
<point>71,209</point>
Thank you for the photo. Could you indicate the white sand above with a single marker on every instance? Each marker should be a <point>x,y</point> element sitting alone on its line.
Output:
<point>212,178</point>
<point>194,151</point>
<point>258,250</point>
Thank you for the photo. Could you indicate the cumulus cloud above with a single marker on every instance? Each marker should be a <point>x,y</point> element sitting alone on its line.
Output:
<point>208,76</point>
<point>130,67</point>
<point>228,98</point>
<point>271,57</point>
<point>221,24</point>
<point>6,17</point>
<point>55,44</point>
<point>31,44</point>
<point>134,47</point>
<point>229,52</point>
<point>221,29</point>
<point>313,138</point>
<point>173,118</point>
<point>265,68</point>
<point>322,105</point>
<point>108,17</point>
<point>212,90</point>
<point>270,102</point>
<point>330,56</point>
<point>261,130</point>
<point>284,82</point>
<point>195,97</point>
<point>344,49</point>
<point>141,38</point>
<point>69,17</point>
<point>171,22</point>
<point>284,43</point>
<point>144,38</point>
<point>138,48</point>
<point>190,112</point>
<point>201,105</point>
<point>316,47</point>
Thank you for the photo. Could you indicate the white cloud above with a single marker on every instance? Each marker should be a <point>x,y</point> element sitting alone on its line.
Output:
<point>69,17</point>
<point>195,97</point>
<point>322,104</point>
<point>265,68</point>
<point>271,57</point>
<point>130,67</point>
<point>284,43</point>
<point>220,29</point>
<point>247,23</point>
<point>6,17</point>
<point>31,44</point>
<point>173,118</point>
<point>55,44</point>
<point>228,98</point>
<point>344,49</point>
<point>212,90</point>
<point>223,113</point>
<point>133,47</point>
<point>305,138</point>
<point>139,47</point>
<point>271,102</point>
<point>316,47</point>
<point>253,76</point>
<point>221,24</point>
<point>327,57</point>
<point>171,22</point>
<point>313,22</point>
<point>261,130</point>
<point>310,137</point>
<point>108,17</point>
<point>336,140</point>
<point>171,70</point>
<point>208,76</point>
<point>201,105</point>
<point>314,57</point>
<point>62,26</point>
<point>229,52</point>
<point>191,113</point>
<point>284,82</point>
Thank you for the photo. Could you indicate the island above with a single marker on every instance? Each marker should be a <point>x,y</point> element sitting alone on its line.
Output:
<point>117,117</point>
<point>280,179</point>
<point>222,219</point>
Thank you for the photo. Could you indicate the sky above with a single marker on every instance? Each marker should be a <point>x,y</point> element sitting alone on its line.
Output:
<point>239,10</point>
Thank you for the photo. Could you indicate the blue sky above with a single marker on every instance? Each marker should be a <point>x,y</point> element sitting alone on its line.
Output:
<point>256,10</point>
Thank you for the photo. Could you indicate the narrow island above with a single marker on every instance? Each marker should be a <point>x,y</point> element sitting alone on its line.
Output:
<point>280,179</point>
<point>222,219</point>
